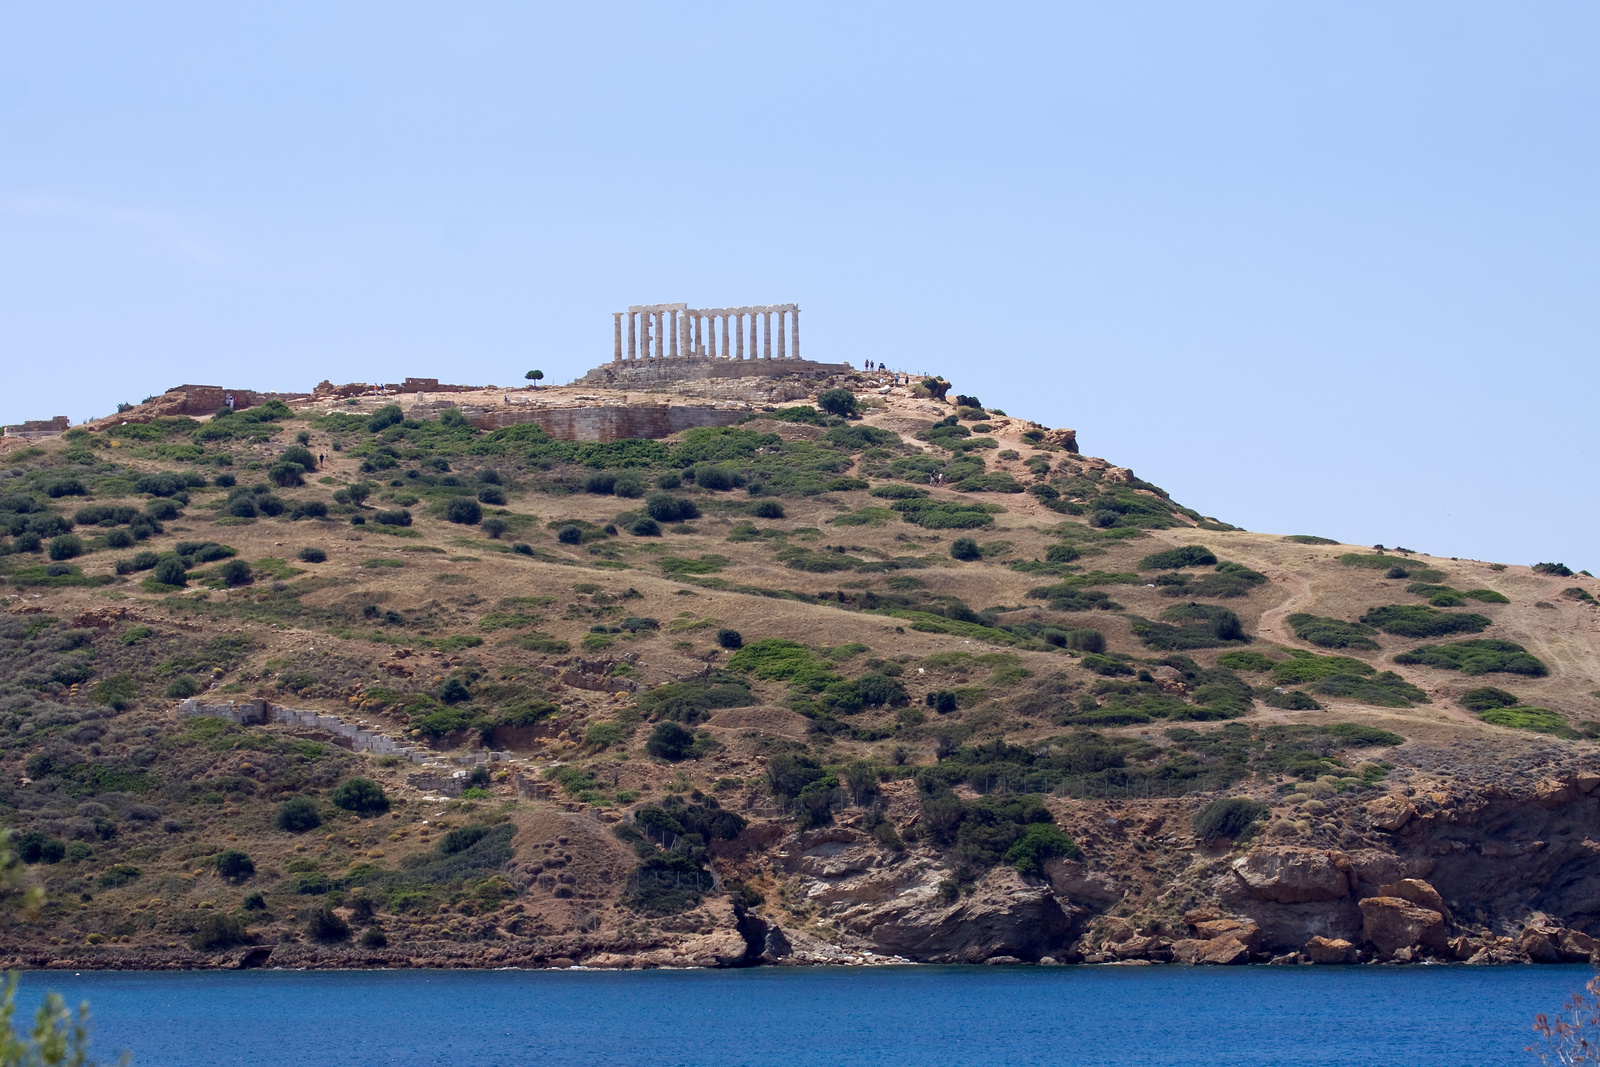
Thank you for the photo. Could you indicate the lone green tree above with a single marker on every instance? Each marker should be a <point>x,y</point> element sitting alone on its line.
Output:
<point>535,376</point>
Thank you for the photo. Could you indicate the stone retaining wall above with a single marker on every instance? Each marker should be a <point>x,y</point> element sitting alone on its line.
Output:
<point>260,712</point>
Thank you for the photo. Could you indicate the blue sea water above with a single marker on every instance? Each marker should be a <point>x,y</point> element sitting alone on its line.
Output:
<point>921,1016</point>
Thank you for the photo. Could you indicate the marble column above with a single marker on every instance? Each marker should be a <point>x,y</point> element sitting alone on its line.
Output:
<point>661,334</point>
<point>755,335</point>
<point>633,340</point>
<point>794,347</point>
<point>738,337</point>
<point>766,335</point>
<point>780,334</point>
<point>616,354</point>
<point>724,337</point>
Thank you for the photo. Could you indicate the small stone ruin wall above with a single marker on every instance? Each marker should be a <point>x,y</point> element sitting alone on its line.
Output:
<point>259,712</point>
<point>599,422</point>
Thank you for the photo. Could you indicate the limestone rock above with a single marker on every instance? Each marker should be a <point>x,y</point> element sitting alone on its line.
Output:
<point>1540,944</point>
<point>1075,881</point>
<point>1288,875</point>
<point>1390,812</point>
<point>1418,892</point>
<point>1329,950</point>
<point>1243,931</point>
<point>1065,439</point>
<point>1578,947</point>
<point>1217,950</point>
<point>1004,916</point>
<point>1394,923</point>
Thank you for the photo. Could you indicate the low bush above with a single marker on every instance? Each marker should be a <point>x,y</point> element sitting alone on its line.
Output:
<point>362,796</point>
<point>1310,539</point>
<point>1487,697</point>
<point>1228,817</point>
<point>1324,632</point>
<point>310,554</point>
<point>234,865</point>
<point>396,517</point>
<point>1039,842</point>
<point>1539,720</point>
<point>171,571</point>
<point>839,402</point>
<point>297,815</point>
<point>1189,626</point>
<point>1385,690</point>
<point>67,546</point>
<point>1245,660</point>
<point>767,509</point>
<point>492,494</point>
<point>463,510</point>
<point>965,549</point>
<point>1409,620</point>
<point>1172,559</point>
<point>1557,570</point>
<point>235,572</point>
<point>183,687</point>
<point>664,507</point>
<point>1482,656</point>
<point>218,932</point>
<point>1084,639</point>
<point>670,741</point>
<point>730,639</point>
<point>323,924</point>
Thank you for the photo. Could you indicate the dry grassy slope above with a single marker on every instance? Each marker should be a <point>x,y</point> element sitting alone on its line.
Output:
<point>450,577</point>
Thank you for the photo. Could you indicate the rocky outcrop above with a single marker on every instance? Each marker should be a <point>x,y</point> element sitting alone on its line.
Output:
<point>1292,875</point>
<point>1004,916</point>
<point>1329,950</point>
<point>1214,951</point>
<point>1396,926</point>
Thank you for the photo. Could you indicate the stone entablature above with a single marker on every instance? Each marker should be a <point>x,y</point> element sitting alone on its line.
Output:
<point>675,331</point>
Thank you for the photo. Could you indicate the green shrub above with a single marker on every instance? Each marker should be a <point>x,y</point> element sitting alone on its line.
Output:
<point>183,687</point>
<point>235,572</point>
<point>1487,697</point>
<point>1539,720</point>
<point>1038,843</point>
<point>286,475</point>
<point>1409,620</point>
<point>839,402</point>
<point>1310,539</point>
<point>234,865</point>
<point>664,507</point>
<point>1385,690</point>
<point>1482,656</point>
<point>324,925</point>
<point>67,546</point>
<point>360,795</point>
<point>1084,639</point>
<point>313,555</point>
<point>297,815</point>
<point>37,847</point>
<point>171,571</point>
<point>218,931</point>
<point>1324,632</point>
<point>1188,626</point>
<point>965,549</point>
<point>463,510</point>
<point>670,741</point>
<point>1303,667</point>
<point>1227,817</point>
<point>1172,559</point>
<point>385,417</point>
<point>1245,660</point>
<point>730,639</point>
<point>645,527</point>
<point>1558,570</point>
<point>767,509</point>
<point>398,516</point>
<point>604,734</point>
<point>454,691</point>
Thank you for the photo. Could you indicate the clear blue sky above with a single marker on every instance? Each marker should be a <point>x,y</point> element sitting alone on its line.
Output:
<point>1320,268</point>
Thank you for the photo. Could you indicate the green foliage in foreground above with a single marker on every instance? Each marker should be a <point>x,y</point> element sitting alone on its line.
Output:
<point>58,1038</point>
<point>1483,656</point>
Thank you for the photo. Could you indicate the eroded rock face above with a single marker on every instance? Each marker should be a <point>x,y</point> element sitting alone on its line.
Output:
<point>1288,875</point>
<point>1004,916</point>
<point>1394,924</point>
<point>1074,880</point>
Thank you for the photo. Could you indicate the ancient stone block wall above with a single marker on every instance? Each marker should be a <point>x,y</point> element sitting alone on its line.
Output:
<point>258,712</point>
<point>610,422</point>
<point>54,427</point>
<point>652,373</point>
